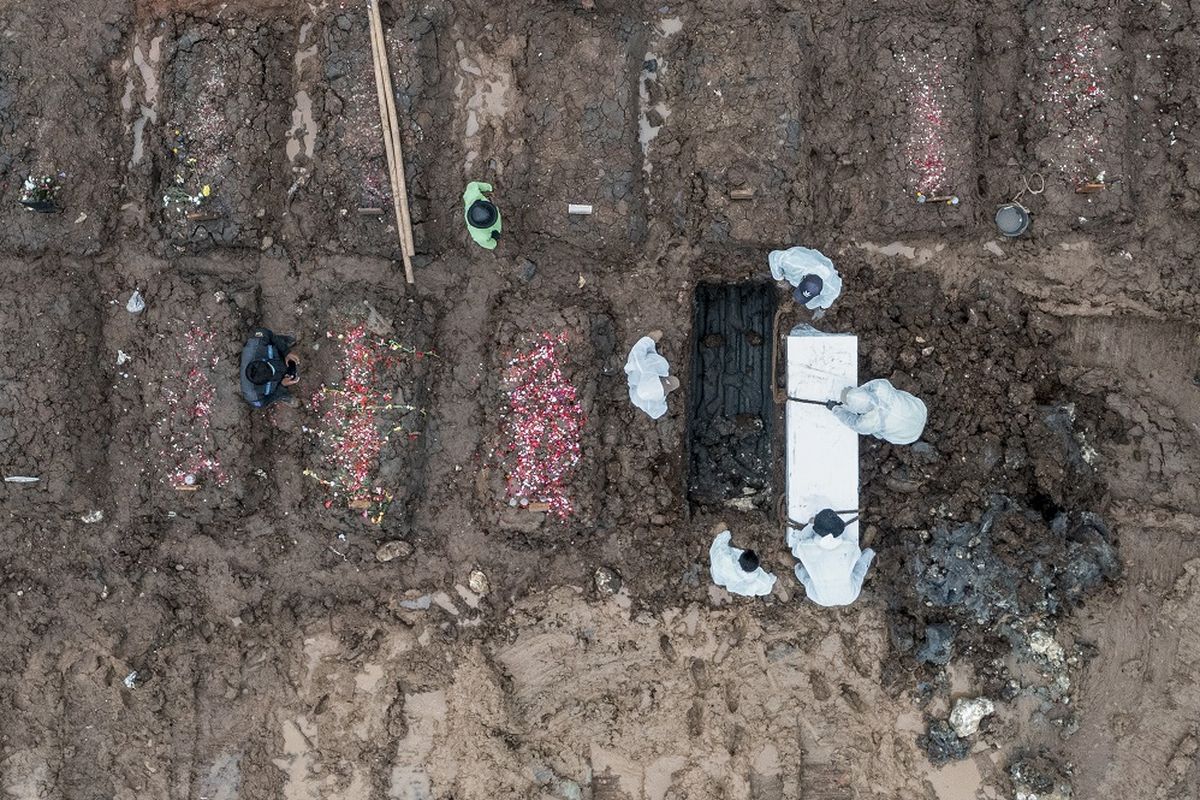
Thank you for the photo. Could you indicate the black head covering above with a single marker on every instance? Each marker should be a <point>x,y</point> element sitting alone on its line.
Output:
<point>810,286</point>
<point>828,523</point>
<point>482,214</point>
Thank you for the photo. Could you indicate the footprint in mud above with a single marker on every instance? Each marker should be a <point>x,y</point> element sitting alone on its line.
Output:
<point>700,674</point>
<point>820,688</point>
<point>695,718</point>
<point>607,786</point>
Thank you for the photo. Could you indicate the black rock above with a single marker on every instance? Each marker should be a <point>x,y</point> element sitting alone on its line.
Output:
<point>942,744</point>
<point>937,645</point>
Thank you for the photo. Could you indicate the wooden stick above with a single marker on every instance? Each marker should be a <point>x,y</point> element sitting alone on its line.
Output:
<point>401,177</point>
<point>391,138</point>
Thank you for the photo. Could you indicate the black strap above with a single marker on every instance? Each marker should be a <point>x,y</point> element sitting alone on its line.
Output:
<point>827,403</point>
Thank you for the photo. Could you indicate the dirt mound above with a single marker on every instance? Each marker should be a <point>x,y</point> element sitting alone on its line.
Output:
<point>989,522</point>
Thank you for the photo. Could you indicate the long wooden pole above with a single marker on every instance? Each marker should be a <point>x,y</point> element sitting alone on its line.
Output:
<point>391,139</point>
<point>401,177</point>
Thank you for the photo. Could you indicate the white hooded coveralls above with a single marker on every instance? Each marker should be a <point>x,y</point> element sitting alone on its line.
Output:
<point>877,408</point>
<point>831,568</point>
<point>793,264</point>
<point>645,369</point>
<point>727,572</point>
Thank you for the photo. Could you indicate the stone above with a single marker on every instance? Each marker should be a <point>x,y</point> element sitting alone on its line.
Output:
<point>968,713</point>
<point>478,582</point>
<point>937,645</point>
<point>607,580</point>
<point>391,550</point>
<point>942,745</point>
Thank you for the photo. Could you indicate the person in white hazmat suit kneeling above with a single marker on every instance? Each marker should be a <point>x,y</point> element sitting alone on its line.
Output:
<point>877,408</point>
<point>832,566</point>
<point>738,571</point>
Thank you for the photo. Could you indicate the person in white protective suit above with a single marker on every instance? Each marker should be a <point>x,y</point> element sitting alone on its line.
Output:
<point>877,408</point>
<point>816,280</point>
<point>832,566</point>
<point>648,376</point>
<point>738,570</point>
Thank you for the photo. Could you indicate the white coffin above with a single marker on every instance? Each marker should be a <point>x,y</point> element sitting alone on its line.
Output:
<point>822,453</point>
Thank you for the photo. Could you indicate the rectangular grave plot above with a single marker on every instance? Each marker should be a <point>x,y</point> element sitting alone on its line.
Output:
<point>1163,114</point>
<point>58,118</point>
<point>582,131</point>
<point>1080,115</point>
<point>744,115</point>
<point>220,150</point>
<point>53,419</point>
<point>732,409</point>
<point>183,438</point>
<point>336,141</point>
<point>542,467</point>
<point>366,400</point>
<point>925,125</point>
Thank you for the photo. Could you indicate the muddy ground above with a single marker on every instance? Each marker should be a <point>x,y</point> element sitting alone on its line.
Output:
<point>194,603</point>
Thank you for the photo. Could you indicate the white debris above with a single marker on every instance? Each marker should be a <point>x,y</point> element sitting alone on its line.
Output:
<point>92,516</point>
<point>968,713</point>
<point>123,358</point>
<point>136,304</point>
<point>131,680</point>
<point>478,582</point>
<point>1046,646</point>
<point>579,209</point>
<point>21,479</point>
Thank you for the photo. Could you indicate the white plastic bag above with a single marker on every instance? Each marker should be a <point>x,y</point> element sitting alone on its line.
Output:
<point>136,304</point>
<point>795,263</point>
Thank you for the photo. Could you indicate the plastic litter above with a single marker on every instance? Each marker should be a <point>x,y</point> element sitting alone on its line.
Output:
<point>579,209</point>
<point>793,264</point>
<point>92,517</point>
<point>645,369</point>
<point>21,479</point>
<point>879,409</point>
<point>727,572</point>
<point>136,304</point>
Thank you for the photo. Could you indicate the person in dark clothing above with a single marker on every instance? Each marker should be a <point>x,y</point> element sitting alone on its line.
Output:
<point>268,367</point>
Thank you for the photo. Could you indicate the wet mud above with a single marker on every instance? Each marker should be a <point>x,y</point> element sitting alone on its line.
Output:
<point>259,631</point>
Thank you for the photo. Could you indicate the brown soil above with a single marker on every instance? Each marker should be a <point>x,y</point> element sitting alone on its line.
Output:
<point>235,636</point>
